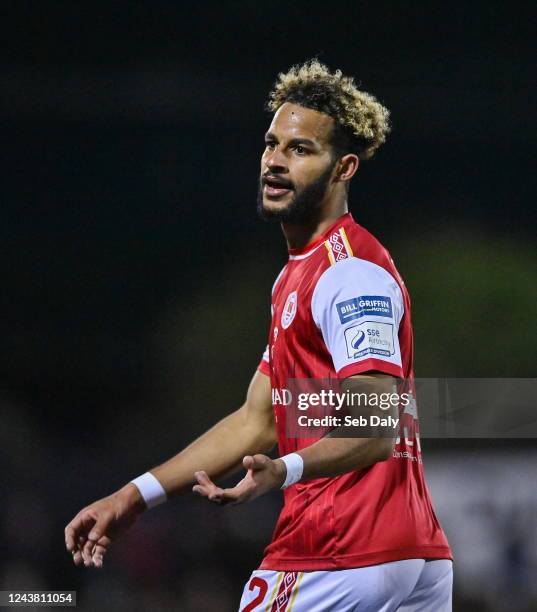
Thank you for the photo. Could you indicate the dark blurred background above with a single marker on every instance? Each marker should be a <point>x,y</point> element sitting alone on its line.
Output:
<point>136,274</point>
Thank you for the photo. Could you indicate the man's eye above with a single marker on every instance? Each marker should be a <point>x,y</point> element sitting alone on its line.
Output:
<point>270,145</point>
<point>300,150</point>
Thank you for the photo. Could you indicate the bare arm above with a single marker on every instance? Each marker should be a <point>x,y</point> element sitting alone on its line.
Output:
<point>220,451</point>
<point>330,456</point>
<point>250,429</point>
<point>337,453</point>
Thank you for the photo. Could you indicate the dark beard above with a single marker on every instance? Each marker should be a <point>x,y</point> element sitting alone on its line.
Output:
<point>304,205</point>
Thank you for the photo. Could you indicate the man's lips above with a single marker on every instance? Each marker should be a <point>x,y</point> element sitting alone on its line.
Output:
<point>275,187</point>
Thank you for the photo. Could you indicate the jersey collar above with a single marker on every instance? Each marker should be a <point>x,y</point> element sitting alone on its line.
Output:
<point>315,244</point>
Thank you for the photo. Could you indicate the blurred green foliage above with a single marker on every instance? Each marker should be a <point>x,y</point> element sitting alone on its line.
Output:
<point>474,304</point>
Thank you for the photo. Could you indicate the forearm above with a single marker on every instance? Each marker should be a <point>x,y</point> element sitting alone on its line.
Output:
<point>337,453</point>
<point>248,430</point>
<point>218,452</point>
<point>334,456</point>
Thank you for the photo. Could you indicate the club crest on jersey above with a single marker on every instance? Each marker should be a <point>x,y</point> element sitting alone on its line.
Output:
<point>289,310</point>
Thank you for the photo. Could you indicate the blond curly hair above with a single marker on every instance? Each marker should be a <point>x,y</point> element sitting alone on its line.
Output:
<point>362,123</point>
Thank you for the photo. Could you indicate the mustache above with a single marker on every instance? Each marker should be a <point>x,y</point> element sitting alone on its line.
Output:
<point>275,181</point>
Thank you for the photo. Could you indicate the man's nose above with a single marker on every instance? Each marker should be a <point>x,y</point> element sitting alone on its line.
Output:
<point>276,161</point>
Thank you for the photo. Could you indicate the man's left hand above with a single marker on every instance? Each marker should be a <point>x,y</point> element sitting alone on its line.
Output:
<point>262,475</point>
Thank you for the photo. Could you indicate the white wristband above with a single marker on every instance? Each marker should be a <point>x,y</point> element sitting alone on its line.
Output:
<point>150,489</point>
<point>295,466</point>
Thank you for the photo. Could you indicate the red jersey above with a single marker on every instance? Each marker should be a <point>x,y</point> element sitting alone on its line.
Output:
<point>328,295</point>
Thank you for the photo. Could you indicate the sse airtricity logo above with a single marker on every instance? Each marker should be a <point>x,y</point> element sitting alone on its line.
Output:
<point>289,310</point>
<point>360,337</point>
<point>370,337</point>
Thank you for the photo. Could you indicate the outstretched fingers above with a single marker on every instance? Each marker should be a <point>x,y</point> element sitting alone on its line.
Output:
<point>242,491</point>
<point>233,495</point>
<point>206,487</point>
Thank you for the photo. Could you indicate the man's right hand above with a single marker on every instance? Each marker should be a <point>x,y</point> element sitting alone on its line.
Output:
<point>89,535</point>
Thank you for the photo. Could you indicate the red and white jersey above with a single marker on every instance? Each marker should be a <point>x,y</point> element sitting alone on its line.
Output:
<point>323,303</point>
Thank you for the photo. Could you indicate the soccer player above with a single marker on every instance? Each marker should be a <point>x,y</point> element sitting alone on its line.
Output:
<point>357,530</point>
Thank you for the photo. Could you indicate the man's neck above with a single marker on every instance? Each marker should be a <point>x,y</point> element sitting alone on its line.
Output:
<point>299,235</point>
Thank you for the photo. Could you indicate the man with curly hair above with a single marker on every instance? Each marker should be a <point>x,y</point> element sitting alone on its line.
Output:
<point>357,531</point>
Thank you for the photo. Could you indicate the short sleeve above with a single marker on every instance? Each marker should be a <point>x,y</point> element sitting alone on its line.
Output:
<point>358,307</point>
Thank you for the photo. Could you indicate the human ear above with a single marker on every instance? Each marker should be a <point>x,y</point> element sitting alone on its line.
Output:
<point>347,167</point>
